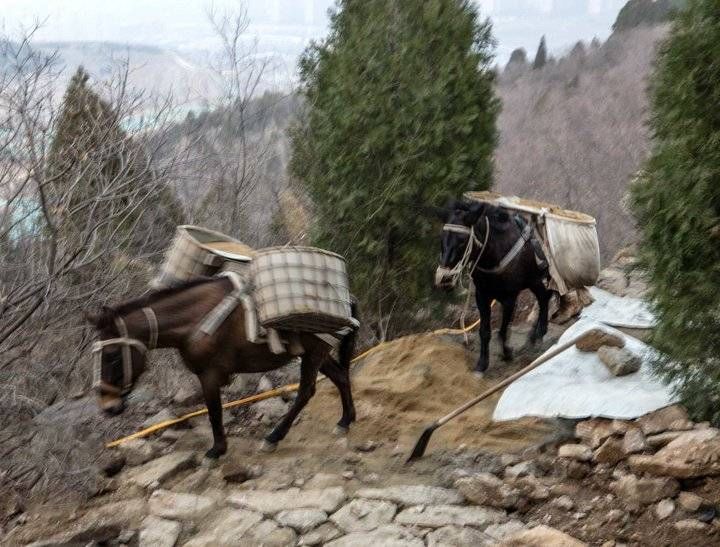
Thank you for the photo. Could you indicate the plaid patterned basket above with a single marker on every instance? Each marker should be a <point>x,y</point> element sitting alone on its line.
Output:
<point>197,252</point>
<point>301,289</point>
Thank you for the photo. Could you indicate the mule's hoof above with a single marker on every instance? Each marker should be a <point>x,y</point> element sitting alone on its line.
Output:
<point>507,356</point>
<point>340,431</point>
<point>214,453</point>
<point>267,447</point>
<point>479,375</point>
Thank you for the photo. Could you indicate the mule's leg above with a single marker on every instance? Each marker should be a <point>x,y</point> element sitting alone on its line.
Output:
<point>341,378</point>
<point>508,305</point>
<point>483,304</point>
<point>308,376</point>
<point>211,392</point>
<point>541,325</point>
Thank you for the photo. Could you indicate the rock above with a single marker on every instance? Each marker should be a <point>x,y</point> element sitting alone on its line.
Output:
<point>361,515</point>
<point>193,482</point>
<point>563,502</point>
<point>387,536</point>
<point>265,384</point>
<point>325,480</point>
<point>301,520</point>
<point>572,469</point>
<point>367,446</point>
<point>110,462</point>
<point>636,492</point>
<point>413,495</point>
<point>541,536</point>
<point>269,534</point>
<point>487,489</point>
<point>579,452</point>
<point>157,532</point>
<point>619,361</point>
<point>91,536</point>
<point>437,516</point>
<point>269,503</point>
<point>595,431</point>
<point>321,535</point>
<point>186,395</point>
<point>502,531</point>
<point>270,411</point>
<point>173,505</point>
<point>634,442</point>
<point>68,412</point>
<point>521,469</point>
<point>451,536</point>
<point>614,515</point>
<point>234,472</point>
<point>161,469</point>
<point>661,420</point>
<point>664,509</point>
<point>610,452</point>
<point>137,451</point>
<point>690,525</point>
<point>163,416</point>
<point>613,281</point>
<point>661,439</point>
<point>693,454</point>
<point>226,527</point>
<point>531,488</point>
<point>594,339</point>
<point>689,502</point>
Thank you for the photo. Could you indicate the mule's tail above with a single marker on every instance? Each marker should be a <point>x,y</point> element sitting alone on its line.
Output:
<point>347,344</point>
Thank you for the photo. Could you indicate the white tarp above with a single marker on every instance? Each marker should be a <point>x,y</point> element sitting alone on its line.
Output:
<point>616,311</point>
<point>575,384</point>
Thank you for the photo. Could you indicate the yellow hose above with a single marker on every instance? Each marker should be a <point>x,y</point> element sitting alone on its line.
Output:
<point>259,396</point>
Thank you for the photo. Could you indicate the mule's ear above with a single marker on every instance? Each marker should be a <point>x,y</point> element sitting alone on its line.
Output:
<point>97,318</point>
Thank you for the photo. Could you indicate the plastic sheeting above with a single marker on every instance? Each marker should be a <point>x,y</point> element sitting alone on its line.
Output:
<point>575,384</point>
<point>616,311</point>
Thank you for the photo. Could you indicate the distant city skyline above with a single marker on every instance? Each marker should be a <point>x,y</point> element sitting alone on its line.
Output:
<point>282,28</point>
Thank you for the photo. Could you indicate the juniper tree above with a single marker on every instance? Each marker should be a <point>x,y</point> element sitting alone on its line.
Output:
<point>677,203</point>
<point>400,114</point>
<point>541,56</point>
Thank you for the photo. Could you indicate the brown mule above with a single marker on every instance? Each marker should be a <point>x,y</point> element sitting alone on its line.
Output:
<point>169,318</point>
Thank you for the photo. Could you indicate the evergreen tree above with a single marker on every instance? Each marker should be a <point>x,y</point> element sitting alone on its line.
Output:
<point>400,115</point>
<point>646,12</point>
<point>677,203</point>
<point>541,57</point>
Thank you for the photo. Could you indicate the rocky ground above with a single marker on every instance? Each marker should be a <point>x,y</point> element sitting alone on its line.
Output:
<point>651,481</point>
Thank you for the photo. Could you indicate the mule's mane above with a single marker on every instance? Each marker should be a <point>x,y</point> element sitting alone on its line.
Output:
<point>155,295</point>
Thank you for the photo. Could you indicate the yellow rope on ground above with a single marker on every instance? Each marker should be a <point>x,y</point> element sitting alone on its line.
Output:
<point>290,388</point>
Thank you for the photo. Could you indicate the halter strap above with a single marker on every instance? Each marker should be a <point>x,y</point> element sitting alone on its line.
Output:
<point>153,325</point>
<point>512,253</point>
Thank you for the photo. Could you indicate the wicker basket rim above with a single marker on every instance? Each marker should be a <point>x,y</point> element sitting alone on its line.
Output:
<point>282,249</point>
<point>531,206</point>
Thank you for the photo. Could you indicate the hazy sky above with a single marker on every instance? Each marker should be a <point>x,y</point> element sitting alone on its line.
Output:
<point>285,26</point>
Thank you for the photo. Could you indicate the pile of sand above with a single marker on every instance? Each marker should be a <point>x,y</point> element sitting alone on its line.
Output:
<point>409,383</point>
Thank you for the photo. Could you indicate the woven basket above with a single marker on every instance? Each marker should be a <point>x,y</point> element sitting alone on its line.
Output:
<point>197,252</point>
<point>301,289</point>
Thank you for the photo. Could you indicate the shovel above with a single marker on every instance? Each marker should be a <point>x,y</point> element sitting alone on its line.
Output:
<point>424,439</point>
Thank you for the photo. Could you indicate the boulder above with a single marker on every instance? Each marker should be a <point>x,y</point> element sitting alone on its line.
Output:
<point>610,452</point>
<point>541,536</point>
<point>160,469</point>
<point>269,534</point>
<point>456,535</point>
<point>531,488</point>
<point>579,452</point>
<point>413,495</point>
<point>637,492</point>
<point>594,339</point>
<point>487,489</point>
<point>437,516</point>
<point>662,420</point>
<point>521,469</point>
<point>362,515</point>
<point>272,502</point>
<point>501,531</point>
<point>137,451</point>
<point>321,535</point>
<point>689,525</point>
<point>595,431</point>
<point>659,440</point>
<point>389,536</point>
<point>619,361</point>
<point>325,480</point>
<point>689,502</point>
<point>187,395</point>
<point>664,509</point>
<point>157,532</point>
<point>301,520</point>
<point>173,505</point>
<point>563,502</point>
<point>693,454</point>
<point>634,442</point>
<point>226,527</point>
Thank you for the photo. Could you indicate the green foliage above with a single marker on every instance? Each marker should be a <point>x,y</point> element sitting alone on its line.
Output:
<point>400,114</point>
<point>647,12</point>
<point>541,55</point>
<point>677,203</point>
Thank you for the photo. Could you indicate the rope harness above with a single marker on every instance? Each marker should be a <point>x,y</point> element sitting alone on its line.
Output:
<point>126,343</point>
<point>456,271</point>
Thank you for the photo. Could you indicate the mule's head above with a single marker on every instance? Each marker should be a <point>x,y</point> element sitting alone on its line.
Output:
<point>118,360</point>
<point>459,218</point>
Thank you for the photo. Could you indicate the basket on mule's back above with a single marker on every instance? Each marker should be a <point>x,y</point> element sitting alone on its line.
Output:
<point>301,289</point>
<point>197,251</point>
